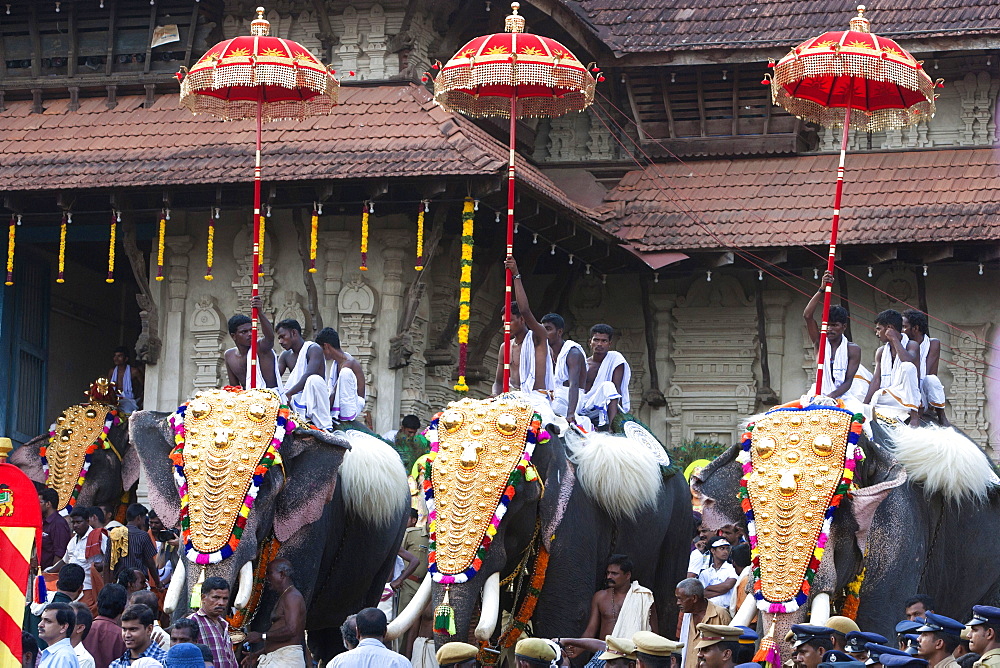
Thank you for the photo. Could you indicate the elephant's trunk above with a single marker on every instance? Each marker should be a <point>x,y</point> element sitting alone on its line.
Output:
<point>490,608</point>
<point>411,613</point>
<point>245,579</point>
<point>177,587</point>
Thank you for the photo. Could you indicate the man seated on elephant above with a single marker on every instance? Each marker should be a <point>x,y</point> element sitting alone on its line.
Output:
<point>530,356</point>
<point>240,329</point>
<point>608,376</point>
<point>939,636</point>
<point>212,625</point>
<point>843,374</point>
<point>984,635</point>
<point>570,370</point>
<point>624,607</point>
<point>697,609</point>
<point>895,385</point>
<point>370,652</point>
<point>284,639</point>
<point>347,377</point>
<point>810,643</point>
<point>932,397</point>
<point>306,389</point>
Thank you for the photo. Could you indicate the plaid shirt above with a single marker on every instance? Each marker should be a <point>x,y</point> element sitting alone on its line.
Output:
<point>215,634</point>
<point>153,652</point>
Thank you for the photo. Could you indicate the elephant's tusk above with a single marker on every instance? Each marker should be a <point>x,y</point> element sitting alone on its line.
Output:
<point>245,586</point>
<point>490,609</point>
<point>176,588</point>
<point>746,612</point>
<point>819,611</point>
<point>411,613</point>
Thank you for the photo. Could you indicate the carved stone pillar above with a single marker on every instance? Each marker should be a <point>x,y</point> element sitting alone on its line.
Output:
<point>967,393</point>
<point>243,254</point>
<point>172,389</point>
<point>350,46</point>
<point>335,247</point>
<point>207,330</point>
<point>357,305</point>
<point>376,43</point>
<point>979,92</point>
<point>289,305</point>
<point>562,138</point>
<point>394,246</point>
<point>601,144</point>
<point>662,307</point>
<point>775,306</point>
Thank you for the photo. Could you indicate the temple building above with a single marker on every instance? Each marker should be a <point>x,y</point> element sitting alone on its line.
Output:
<point>683,208</point>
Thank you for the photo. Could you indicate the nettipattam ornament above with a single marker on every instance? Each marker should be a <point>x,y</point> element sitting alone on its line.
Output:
<point>74,437</point>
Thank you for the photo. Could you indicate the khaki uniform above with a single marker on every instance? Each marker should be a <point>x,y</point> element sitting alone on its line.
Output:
<point>947,662</point>
<point>989,660</point>
<point>713,615</point>
<point>415,541</point>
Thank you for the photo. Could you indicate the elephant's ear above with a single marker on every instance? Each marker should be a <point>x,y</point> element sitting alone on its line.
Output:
<point>311,461</point>
<point>152,438</point>
<point>27,459</point>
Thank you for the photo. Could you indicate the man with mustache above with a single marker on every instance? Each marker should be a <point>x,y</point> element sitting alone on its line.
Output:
<point>623,607</point>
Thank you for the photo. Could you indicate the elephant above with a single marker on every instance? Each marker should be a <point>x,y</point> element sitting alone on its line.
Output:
<point>338,504</point>
<point>113,471</point>
<point>581,523</point>
<point>922,499</point>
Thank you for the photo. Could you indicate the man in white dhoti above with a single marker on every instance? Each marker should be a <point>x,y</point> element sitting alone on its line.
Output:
<point>570,372</point>
<point>127,379</point>
<point>347,378</point>
<point>237,366</point>
<point>608,376</point>
<point>623,607</point>
<point>306,388</point>
<point>895,387</point>
<point>931,390</point>
<point>530,357</point>
<point>844,376</point>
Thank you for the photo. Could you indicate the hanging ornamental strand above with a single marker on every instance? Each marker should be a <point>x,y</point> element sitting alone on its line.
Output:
<point>424,208</point>
<point>116,217</point>
<point>67,218</point>
<point>465,291</point>
<point>161,237</point>
<point>11,232</point>
<point>367,208</point>
<point>314,235</point>
<point>210,246</point>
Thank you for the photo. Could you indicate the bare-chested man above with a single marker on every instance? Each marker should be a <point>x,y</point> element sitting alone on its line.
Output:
<point>843,374</point>
<point>283,641</point>
<point>240,328</point>
<point>570,366</point>
<point>530,358</point>
<point>621,594</point>
<point>306,389</point>
<point>347,377</point>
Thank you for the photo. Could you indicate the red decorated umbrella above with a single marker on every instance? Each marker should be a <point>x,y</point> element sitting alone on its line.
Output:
<point>265,78</point>
<point>855,79</point>
<point>514,75</point>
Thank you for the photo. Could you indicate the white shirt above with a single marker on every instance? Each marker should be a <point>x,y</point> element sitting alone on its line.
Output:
<point>710,576</point>
<point>83,656</point>
<point>59,655</point>
<point>76,553</point>
<point>370,653</point>
<point>697,561</point>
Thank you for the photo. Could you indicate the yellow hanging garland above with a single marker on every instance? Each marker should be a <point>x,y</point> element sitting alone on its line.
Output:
<point>10,249</point>
<point>115,219</point>
<point>313,237</point>
<point>210,248</point>
<point>424,205</point>
<point>260,245</point>
<point>465,292</point>
<point>159,247</point>
<point>62,248</point>
<point>366,208</point>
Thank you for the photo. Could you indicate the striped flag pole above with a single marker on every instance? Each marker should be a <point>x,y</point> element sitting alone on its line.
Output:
<point>20,528</point>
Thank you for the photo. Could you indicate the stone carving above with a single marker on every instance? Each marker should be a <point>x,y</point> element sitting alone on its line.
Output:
<point>562,138</point>
<point>334,246</point>
<point>967,393</point>
<point>601,143</point>
<point>291,307</point>
<point>243,254</point>
<point>376,43</point>
<point>901,285</point>
<point>350,41</point>
<point>775,304</point>
<point>177,272</point>
<point>304,30</point>
<point>356,304</point>
<point>979,92</point>
<point>206,328</point>
<point>714,353</point>
<point>356,297</point>
<point>414,399</point>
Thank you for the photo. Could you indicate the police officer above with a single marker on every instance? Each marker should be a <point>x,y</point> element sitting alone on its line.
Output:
<point>810,643</point>
<point>939,636</point>
<point>457,655</point>
<point>905,661</point>
<point>904,628</point>
<point>875,652</point>
<point>984,635</point>
<point>856,641</point>
<point>748,645</point>
<point>838,659</point>
<point>655,651</point>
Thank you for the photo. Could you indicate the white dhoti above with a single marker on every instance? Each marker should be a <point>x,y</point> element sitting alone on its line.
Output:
<point>931,392</point>
<point>314,402</point>
<point>835,365</point>
<point>290,656</point>
<point>634,615</point>
<point>604,391</point>
<point>902,396</point>
<point>347,405</point>
<point>598,398</point>
<point>560,406</point>
<point>424,655</point>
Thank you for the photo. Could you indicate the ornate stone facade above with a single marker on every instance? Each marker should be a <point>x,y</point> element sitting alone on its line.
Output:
<point>967,393</point>
<point>206,329</point>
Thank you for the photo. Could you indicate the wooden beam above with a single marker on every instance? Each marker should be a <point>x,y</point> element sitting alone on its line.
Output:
<point>716,260</point>
<point>149,38</point>
<point>882,255</point>
<point>736,100</point>
<point>36,101</point>
<point>36,43</point>
<point>779,256</point>
<point>72,49</point>
<point>635,109</point>
<point>3,61</point>
<point>74,98</point>
<point>701,104</point>
<point>109,56</point>
<point>189,47</point>
<point>666,105</point>
<point>767,115</point>
<point>939,253</point>
<point>990,254</point>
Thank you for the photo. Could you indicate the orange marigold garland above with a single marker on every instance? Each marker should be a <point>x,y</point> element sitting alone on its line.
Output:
<point>161,237</point>
<point>210,248</point>
<point>244,616</point>
<point>465,291</point>
<point>14,222</point>
<point>366,209</point>
<point>527,609</point>
<point>66,219</point>
<point>424,208</point>
<point>116,217</point>
<point>314,236</point>
<point>853,598</point>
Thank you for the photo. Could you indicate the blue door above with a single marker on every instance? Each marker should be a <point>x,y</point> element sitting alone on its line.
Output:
<point>24,329</point>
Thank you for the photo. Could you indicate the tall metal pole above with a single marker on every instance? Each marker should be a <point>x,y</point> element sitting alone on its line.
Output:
<point>254,285</point>
<point>510,246</point>
<point>828,288</point>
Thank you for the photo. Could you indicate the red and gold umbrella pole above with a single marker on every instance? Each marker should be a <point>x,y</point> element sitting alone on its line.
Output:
<point>20,529</point>
<point>514,75</point>
<point>859,80</point>
<point>264,78</point>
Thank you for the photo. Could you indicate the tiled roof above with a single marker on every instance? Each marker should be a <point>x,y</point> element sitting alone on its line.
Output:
<point>375,132</point>
<point>908,196</point>
<point>631,26</point>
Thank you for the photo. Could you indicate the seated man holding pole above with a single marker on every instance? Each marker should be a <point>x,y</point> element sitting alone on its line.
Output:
<point>306,389</point>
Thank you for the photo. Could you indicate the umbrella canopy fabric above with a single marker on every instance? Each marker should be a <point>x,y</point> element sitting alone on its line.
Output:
<point>545,76</point>
<point>235,74</point>
<point>883,85</point>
